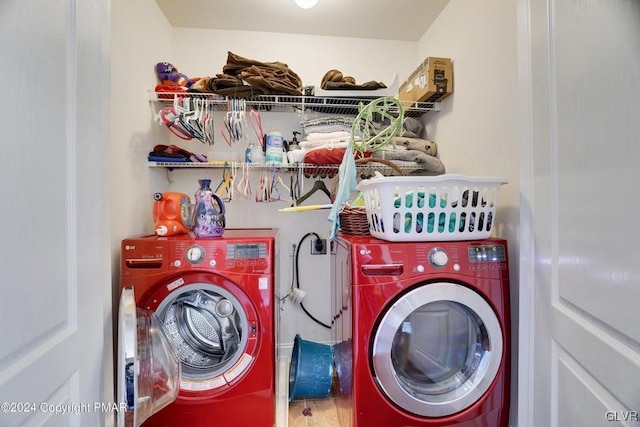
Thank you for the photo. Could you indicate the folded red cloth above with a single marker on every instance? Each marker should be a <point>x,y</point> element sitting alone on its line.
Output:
<point>167,88</point>
<point>329,156</point>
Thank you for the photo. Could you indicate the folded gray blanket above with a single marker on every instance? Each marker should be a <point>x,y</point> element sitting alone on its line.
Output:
<point>428,164</point>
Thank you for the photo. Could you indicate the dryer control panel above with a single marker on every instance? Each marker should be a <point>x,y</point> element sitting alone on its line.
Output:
<point>487,253</point>
<point>380,261</point>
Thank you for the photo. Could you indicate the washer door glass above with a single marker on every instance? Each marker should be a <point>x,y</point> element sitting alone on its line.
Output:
<point>437,349</point>
<point>148,371</point>
<point>208,327</point>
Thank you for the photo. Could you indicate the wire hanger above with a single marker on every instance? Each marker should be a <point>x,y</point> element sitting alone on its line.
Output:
<point>319,185</point>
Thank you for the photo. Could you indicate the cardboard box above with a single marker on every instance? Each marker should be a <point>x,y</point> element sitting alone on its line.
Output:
<point>432,81</point>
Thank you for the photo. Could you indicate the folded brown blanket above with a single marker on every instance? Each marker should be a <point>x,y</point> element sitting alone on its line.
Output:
<point>372,85</point>
<point>227,85</point>
<point>262,78</point>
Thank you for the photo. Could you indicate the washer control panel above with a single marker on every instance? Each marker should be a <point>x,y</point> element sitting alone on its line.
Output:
<point>241,252</point>
<point>246,250</point>
<point>252,255</point>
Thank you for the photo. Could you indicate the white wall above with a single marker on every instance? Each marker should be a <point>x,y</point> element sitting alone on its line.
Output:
<point>477,129</point>
<point>204,52</point>
<point>199,52</point>
<point>141,36</point>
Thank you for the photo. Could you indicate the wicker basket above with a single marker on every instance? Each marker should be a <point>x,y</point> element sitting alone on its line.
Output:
<point>353,219</point>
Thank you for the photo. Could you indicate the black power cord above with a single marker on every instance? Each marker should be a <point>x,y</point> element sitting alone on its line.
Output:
<point>296,277</point>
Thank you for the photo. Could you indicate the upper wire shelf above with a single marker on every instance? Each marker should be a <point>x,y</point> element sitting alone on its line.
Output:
<point>288,103</point>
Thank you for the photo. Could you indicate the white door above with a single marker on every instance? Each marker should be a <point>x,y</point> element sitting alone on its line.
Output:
<point>56,364</point>
<point>580,334</point>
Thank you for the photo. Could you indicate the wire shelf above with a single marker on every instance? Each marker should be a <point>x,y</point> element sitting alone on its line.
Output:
<point>288,103</point>
<point>310,169</point>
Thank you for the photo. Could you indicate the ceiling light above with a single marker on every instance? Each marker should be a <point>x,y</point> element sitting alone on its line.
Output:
<point>306,4</point>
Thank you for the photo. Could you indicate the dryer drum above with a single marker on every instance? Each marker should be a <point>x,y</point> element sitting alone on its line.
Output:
<point>434,364</point>
<point>204,329</point>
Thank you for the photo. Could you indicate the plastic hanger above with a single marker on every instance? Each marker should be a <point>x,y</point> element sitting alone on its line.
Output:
<point>256,123</point>
<point>264,190</point>
<point>171,120</point>
<point>232,185</point>
<point>319,185</point>
<point>223,190</point>
<point>207,123</point>
<point>287,189</point>
<point>244,185</point>
<point>294,184</point>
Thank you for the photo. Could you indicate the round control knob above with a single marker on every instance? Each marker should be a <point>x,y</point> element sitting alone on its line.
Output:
<point>177,263</point>
<point>438,258</point>
<point>420,268</point>
<point>195,254</point>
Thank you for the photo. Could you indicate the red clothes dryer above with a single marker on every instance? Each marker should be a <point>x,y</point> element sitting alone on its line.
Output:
<point>214,300</point>
<point>422,332</point>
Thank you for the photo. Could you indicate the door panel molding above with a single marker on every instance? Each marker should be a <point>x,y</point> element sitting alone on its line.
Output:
<point>594,402</point>
<point>590,345</point>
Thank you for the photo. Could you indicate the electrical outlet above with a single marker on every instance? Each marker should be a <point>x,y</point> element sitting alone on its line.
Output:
<point>318,246</point>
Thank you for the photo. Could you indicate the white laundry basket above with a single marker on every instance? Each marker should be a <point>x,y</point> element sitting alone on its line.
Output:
<point>436,208</point>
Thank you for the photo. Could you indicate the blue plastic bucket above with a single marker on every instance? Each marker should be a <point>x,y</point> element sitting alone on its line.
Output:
<point>311,370</point>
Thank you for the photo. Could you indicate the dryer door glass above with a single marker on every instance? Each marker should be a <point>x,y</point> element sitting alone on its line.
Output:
<point>148,366</point>
<point>209,328</point>
<point>437,349</point>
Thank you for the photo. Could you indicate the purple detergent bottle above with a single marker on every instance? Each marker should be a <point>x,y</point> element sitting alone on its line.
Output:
<point>208,212</point>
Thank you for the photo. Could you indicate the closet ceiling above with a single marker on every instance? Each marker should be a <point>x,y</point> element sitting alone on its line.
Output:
<point>405,20</point>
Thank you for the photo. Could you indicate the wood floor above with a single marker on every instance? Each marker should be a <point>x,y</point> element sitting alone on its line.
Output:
<point>313,413</point>
<point>303,412</point>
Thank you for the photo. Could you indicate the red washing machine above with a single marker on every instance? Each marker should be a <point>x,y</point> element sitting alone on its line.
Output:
<point>421,332</point>
<point>214,299</point>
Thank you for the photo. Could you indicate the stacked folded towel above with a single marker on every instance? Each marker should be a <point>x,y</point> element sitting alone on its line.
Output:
<point>323,134</point>
<point>327,147</point>
<point>327,124</point>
